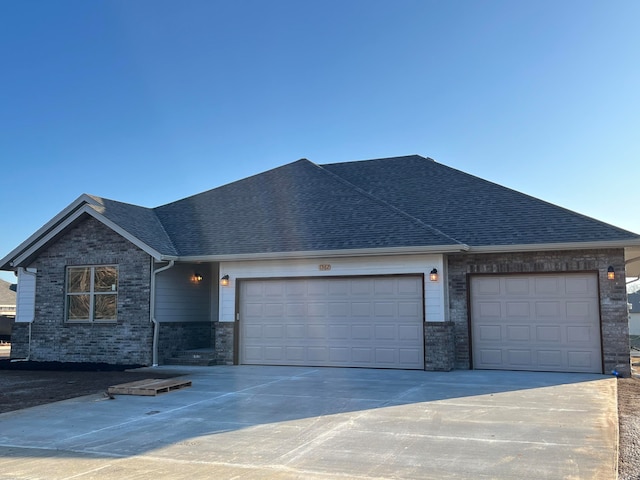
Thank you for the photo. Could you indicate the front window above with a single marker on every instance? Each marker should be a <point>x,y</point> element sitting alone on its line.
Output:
<point>92,293</point>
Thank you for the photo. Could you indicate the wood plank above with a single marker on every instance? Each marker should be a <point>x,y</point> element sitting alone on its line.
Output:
<point>149,387</point>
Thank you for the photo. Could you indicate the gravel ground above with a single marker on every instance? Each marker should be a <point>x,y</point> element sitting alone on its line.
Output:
<point>629,422</point>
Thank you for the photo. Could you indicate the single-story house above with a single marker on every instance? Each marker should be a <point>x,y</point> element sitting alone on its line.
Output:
<point>7,309</point>
<point>634,313</point>
<point>389,263</point>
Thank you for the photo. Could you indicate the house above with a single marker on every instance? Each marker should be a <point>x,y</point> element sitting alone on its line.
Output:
<point>388,263</point>
<point>7,309</point>
<point>634,313</point>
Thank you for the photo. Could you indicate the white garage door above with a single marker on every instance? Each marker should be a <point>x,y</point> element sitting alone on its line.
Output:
<point>347,322</point>
<point>536,322</point>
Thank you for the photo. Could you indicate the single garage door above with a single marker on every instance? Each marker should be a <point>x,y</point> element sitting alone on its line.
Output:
<point>536,322</point>
<point>374,322</point>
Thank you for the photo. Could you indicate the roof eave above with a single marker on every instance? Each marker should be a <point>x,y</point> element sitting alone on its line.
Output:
<point>55,226</point>
<point>536,247</point>
<point>354,252</point>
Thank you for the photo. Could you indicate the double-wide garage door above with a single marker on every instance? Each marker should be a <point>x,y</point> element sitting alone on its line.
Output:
<point>374,322</point>
<point>536,322</point>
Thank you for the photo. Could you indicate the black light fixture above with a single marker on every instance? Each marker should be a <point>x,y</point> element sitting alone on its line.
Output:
<point>224,281</point>
<point>611,273</point>
<point>433,275</point>
<point>197,277</point>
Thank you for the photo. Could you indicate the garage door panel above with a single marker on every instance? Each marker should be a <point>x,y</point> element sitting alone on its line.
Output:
<point>491,357</point>
<point>409,356</point>
<point>385,332</point>
<point>517,309</point>
<point>386,356</point>
<point>339,332</point>
<point>516,286</point>
<point>315,331</point>
<point>546,286</point>
<point>548,333</point>
<point>351,321</point>
<point>273,331</point>
<point>295,354</point>
<point>551,359</point>
<point>489,309</point>
<point>518,358</point>
<point>409,309</point>
<point>489,332</point>
<point>410,333</point>
<point>577,334</point>
<point>555,315</point>
<point>361,332</point>
<point>580,360</point>
<point>296,331</point>
<point>519,333</point>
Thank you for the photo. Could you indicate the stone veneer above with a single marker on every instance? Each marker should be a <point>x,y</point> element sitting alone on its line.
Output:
<point>127,341</point>
<point>613,298</point>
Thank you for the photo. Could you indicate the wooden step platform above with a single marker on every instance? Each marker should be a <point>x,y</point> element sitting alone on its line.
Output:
<point>151,387</point>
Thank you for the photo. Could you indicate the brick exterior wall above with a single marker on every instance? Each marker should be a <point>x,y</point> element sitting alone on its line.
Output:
<point>224,342</point>
<point>439,346</point>
<point>613,303</point>
<point>127,341</point>
<point>174,337</point>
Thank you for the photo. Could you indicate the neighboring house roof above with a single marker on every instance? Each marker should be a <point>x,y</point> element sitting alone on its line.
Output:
<point>405,203</point>
<point>7,294</point>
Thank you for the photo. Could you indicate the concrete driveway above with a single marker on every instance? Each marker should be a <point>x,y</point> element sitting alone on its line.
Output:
<point>312,423</point>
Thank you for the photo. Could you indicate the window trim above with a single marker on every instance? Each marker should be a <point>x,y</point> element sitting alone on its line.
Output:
<point>92,293</point>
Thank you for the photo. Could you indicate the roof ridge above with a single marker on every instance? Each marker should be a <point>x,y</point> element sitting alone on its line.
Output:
<point>363,192</point>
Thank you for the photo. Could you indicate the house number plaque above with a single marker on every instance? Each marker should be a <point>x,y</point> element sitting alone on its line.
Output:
<point>324,267</point>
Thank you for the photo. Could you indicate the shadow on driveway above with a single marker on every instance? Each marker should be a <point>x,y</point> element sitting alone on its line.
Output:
<point>296,422</point>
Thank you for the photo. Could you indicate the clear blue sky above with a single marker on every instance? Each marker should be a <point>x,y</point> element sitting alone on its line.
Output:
<point>149,101</point>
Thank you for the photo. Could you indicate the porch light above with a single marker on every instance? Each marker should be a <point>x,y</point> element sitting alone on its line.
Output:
<point>197,277</point>
<point>433,275</point>
<point>224,281</point>
<point>611,274</point>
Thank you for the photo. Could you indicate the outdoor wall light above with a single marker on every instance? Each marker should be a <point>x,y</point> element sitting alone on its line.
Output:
<point>197,277</point>
<point>433,275</point>
<point>611,274</point>
<point>224,281</point>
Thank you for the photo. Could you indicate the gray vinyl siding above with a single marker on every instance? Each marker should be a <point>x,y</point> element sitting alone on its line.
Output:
<point>179,298</point>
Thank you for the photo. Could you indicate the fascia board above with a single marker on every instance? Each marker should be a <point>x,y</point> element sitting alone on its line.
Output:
<point>362,252</point>
<point>57,229</point>
<point>555,246</point>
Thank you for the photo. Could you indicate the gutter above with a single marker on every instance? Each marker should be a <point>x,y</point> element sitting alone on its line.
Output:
<point>356,252</point>
<point>554,246</point>
<point>152,309</point>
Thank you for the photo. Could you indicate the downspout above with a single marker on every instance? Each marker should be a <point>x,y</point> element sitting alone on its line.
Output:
<point>152,308</point>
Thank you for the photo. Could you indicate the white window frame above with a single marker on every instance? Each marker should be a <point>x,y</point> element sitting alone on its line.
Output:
<point>91,293</point>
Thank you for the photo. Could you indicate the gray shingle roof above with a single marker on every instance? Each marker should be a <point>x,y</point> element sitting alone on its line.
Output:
<point>391,202</point>
<point>471,210</point>
<point>140,222</point>
<point>296,207</point>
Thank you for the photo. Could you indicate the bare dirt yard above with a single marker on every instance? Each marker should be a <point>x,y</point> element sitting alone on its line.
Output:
<point>27,388</point>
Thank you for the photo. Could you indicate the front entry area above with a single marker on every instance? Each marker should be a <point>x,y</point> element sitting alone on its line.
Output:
<point>371,322</point>
<point>540,322</point>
